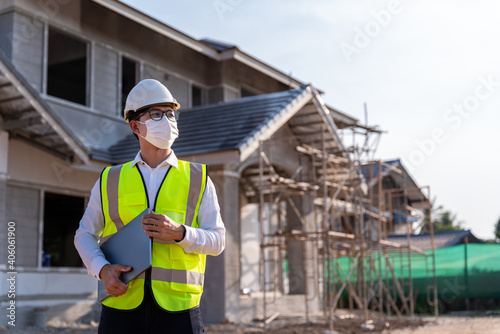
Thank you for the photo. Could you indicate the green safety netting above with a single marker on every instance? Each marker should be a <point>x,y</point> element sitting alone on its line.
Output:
<point>471,271</point>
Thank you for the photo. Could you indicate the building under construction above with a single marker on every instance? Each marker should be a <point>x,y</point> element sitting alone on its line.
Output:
<point>324,229</point>
<point>307,210</point>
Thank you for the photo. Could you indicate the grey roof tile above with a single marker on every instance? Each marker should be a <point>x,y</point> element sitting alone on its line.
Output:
<point>442,239</point>
<point>218,45</point>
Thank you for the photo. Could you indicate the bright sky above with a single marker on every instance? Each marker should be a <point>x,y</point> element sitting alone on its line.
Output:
<point>428,70</point>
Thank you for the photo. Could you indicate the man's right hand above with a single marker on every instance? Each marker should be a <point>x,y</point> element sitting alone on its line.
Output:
<point>110,275</point>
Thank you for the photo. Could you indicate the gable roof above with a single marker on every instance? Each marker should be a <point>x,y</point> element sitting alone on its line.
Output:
<point>238,125</point>
<point>442,239</point>
<point>371,172</point>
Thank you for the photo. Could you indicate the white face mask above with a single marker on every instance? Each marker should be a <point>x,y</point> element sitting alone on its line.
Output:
<point>162,133</point>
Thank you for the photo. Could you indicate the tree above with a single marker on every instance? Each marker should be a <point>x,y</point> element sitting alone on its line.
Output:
<point>442,220</point>
<point>446,221</point>
<point>497,230</point>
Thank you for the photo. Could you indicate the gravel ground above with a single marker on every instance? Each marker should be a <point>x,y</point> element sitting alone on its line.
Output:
<point>457,325</point>
<point>480,324</point>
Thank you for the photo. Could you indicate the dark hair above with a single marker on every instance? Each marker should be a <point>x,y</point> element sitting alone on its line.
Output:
<point>134,116</point>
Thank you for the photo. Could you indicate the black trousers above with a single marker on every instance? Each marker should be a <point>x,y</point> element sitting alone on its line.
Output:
<point>149,318</point>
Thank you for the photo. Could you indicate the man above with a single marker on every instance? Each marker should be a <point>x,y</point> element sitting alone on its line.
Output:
<point>185,224</point>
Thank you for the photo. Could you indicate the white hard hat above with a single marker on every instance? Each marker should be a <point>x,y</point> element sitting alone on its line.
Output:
<point>147,93</point>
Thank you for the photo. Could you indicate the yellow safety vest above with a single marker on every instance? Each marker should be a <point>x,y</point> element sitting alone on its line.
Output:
<point>176,277</point>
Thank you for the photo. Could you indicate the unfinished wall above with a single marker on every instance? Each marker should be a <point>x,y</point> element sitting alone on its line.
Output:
<point>215,95</point>
<point>26,43</point>
<point>236,74</point>
<point>23,206</point>
<point>106,27</point>
<point>4,151</point>
<point>108,37</point>
<point>30,173</point>
<point>250,247</point>
<point>6,34</point>
<point>32,166</point>
<point>105,97</point>
<point>177,86</point>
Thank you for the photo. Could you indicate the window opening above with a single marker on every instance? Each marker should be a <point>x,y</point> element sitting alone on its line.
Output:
<point>67,68</point>
<point>62,215</point>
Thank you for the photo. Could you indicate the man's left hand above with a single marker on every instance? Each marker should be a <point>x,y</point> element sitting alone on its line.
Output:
<point>162,227</point>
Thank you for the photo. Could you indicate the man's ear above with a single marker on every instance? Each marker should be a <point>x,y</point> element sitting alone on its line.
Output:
<point>134,127</point>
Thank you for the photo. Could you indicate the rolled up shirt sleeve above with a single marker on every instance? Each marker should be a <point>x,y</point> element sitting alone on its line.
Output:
<point>210,237</point>
<point>87,235</point>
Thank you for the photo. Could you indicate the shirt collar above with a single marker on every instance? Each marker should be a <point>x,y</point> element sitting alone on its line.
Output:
<point>170,160</point>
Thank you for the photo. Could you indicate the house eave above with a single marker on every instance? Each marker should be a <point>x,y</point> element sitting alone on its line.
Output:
<point>268,70</point>
<point>252,143</point>
<point>159,27</point>
<point>197,45</point>
<point>31,111</point>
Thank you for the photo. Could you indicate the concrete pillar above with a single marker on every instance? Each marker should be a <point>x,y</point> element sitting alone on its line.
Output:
<point>294,249</point>
<point>214,294</point>
<point>297,250</point>
<point>231,217</point>
<point>302,255</point>
<point>222,279</point>
<point>310,250</point>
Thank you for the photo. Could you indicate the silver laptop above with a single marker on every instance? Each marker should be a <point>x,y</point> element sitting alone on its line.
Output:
<point>129,246</point>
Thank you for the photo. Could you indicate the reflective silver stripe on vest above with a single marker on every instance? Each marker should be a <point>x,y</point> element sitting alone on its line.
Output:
<point>112,186</point>
<point>195,183</point>
<point>177,276</point>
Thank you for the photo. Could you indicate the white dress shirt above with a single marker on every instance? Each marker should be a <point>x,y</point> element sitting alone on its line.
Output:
<point>208,239</point>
